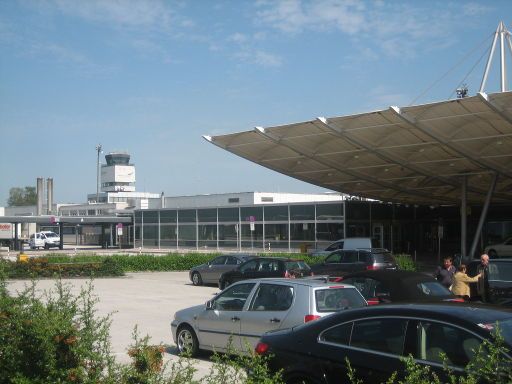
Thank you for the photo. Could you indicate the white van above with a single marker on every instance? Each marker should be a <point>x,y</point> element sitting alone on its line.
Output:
<point>348,243</point>
<point>44,239</point>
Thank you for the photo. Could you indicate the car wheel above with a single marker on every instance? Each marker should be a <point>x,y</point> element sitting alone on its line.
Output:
<point>46,246</point>
<point>196,279</point>
<point>187,340</point>
<point>492,254</point>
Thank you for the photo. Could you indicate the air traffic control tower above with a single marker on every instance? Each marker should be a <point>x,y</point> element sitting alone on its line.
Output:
<point>118,175</point>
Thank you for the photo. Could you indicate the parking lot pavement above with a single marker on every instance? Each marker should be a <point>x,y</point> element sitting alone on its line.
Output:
<point>145,299</point>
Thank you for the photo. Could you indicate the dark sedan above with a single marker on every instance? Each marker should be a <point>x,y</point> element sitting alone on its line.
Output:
<point>346,261</point>
<point>210,272</point>
<point>374,339</point>
<point>385,286</point>
<point>261,267</point>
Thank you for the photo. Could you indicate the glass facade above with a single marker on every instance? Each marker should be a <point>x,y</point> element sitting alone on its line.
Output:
<point>268,227</point>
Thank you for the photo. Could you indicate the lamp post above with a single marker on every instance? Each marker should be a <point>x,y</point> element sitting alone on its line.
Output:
<point>98,149</point>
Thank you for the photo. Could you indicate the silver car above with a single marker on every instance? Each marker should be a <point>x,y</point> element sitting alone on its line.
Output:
<point>210,272</point>
<point>239,315</point>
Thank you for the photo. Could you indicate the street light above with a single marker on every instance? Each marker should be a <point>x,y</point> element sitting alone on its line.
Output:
<point>98,149</point>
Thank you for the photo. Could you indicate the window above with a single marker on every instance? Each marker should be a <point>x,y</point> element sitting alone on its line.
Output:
<point>335,246</point>
<point>329,211</point>
<point>255,212</point>
<point>207,215</point>
<point>233,200</point>
<point>187,216</point>
<point>436,340</point>
<point>234,298</point>
<point>338,335</point>
<point>349,256</point>
<point>333,258</point>
<point>249,266</point>
<point>331,300</point>
<point>272,297</point>
<point>232,260</point>
<point>302,212</point>
<point>221,260</point>
<point>368,287</point>
<point>267,199</point>
<point>276,213</point>
<point>228,214</point>
<point>268,265</point>
<point>383,335</point>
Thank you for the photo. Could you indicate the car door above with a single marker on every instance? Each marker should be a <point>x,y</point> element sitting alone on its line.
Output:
<point>373,346</point>
<point>269,309</point>
<point>212,272</point>
<point>342,262</point>
<point>219,324</point>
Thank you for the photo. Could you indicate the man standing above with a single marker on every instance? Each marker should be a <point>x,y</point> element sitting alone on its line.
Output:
<point>444,274</point>
<point>483,282</point>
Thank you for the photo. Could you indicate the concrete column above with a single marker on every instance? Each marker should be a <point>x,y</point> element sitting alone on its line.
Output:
<point>463,217</point>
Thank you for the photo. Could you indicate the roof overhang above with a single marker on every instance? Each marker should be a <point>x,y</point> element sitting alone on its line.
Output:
<point>54,220</point>
<point>418,154</point>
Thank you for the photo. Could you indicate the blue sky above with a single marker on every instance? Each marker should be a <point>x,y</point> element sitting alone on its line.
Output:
<point>152,77</point>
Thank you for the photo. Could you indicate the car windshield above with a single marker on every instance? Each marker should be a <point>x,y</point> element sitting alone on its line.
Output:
<point>384,257</point>
<point>296,265</point>
<point>332,299</point>
<point>503,271</point>
<point>51,234</point>
<point>432,288</point>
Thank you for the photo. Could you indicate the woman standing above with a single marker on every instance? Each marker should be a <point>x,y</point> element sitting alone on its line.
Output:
<point>461,280</point>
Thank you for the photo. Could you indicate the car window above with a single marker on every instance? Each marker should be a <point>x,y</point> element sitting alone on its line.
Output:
<point>500,271</point>
<point>333,299</point>
<point>230,260</point>
<point>365,257</point>
<point>367,286</point>
<point>333,258</point>
<point>508,241</point>
<point>432,288</point>
<point>382,335</point>
<point>51,234</point>
<point>338,335</point>
<point>383,257</point>
<point>233,298</point>
<point>349,257</point>
<point>295,265</point>
<point>268,265</point>
<point>272,297</point>
<point>335,246</point>
<point>249,266</point>
<point>439,343</point>
<point>218,260</point>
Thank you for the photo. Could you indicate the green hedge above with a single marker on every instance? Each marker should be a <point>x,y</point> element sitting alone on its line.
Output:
<point>44,268</point>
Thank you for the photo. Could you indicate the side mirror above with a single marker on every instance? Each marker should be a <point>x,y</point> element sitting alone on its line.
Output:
<point>209,304</point>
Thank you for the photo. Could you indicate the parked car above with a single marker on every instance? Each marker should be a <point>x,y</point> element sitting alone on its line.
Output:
<point>348,243</point>
<point>391,286</point>
<point>261,267</point>
<point>374,339</point>
<point>210,272</point>
<point>245,310</point>
<point>500,250</point>
<point>342,262</point>
<point>44,239</point>
<point>500,281</point>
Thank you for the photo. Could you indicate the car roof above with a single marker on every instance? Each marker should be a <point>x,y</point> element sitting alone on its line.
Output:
<point>455,313</point>
<point>276,258</point>
<point>500,260</point>
<point>302,281</point>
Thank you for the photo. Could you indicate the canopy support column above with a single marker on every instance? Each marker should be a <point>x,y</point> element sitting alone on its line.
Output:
<point>463,217</point>
<point>483,215</point>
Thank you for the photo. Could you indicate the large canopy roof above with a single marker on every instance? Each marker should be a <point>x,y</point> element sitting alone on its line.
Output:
<point>416,154</point>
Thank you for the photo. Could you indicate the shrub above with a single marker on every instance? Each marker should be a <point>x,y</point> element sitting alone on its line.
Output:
<point>405,262</point>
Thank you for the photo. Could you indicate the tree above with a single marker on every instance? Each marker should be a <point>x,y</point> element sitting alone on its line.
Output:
<point>22,196</point>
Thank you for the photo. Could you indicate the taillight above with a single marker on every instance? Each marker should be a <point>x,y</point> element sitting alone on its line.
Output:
<point>371,267</point>
<point>456,300</point>
<point>309,318</point>
<point>335,279</point>
<point>261,348</point>
<point>373,301</point>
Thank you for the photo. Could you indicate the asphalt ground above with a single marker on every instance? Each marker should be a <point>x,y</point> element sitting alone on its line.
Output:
<point>146,299</point>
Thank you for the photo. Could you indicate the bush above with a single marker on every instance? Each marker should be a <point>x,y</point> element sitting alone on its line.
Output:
<point>405,262</point>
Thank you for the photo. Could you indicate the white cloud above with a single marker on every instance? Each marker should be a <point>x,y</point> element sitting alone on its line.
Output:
<point>259,57</point>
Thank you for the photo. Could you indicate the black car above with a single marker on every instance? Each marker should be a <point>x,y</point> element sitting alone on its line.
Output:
<point>375,338</point>
<point>500,281</point>
<point>260,267</point>
<point>210,272</point>
<point>346,261</point>
<point>387,286</point>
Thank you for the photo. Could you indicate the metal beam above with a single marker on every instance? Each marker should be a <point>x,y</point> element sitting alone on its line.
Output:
<point>495,107</point>
<point>483,215</point>
<point>463,217</point>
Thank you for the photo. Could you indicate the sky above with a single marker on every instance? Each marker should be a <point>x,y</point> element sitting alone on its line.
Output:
<point>151,77</point>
